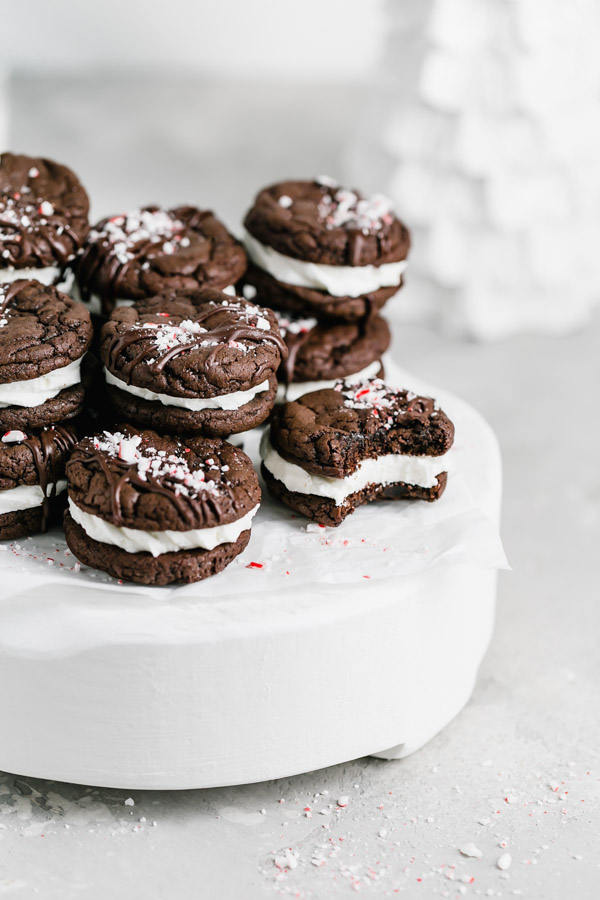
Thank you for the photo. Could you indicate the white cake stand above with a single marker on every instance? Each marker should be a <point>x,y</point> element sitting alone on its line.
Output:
<point>133,691</point>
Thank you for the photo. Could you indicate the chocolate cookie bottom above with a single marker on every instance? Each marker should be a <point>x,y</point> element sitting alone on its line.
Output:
<point>66,405</point>
<point>142,568</point>
<point>306,301</point>
<point>25,522</point>
<point>326,512</point>
<point>209,422</point>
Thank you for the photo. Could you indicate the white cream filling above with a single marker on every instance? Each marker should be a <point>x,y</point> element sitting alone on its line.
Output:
<point>45,275</point>
<point>133,540</point>
<point>235,400</point>
<point>387,469</point>
<point>299,388</point>
<point>35,391</point>
<point>94,304</point>
<point>26,496</point>
<point>339,281</point>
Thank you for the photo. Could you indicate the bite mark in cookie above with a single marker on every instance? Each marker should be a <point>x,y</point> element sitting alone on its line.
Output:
<point>334,449</point>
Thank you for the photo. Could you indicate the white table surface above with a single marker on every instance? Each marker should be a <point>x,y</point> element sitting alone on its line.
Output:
<point>520,766</point>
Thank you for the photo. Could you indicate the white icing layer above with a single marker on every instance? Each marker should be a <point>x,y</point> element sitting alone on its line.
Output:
<point>46,275</point>
<point>35,391</point>
<point>299,388</point>
<point>26,496</point>
<point>235,400</point>
<point>133,540</point>
<point>388,469</point>
<point>339,281</point>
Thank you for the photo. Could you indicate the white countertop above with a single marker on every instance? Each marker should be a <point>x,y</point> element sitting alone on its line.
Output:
<point>520,765</point>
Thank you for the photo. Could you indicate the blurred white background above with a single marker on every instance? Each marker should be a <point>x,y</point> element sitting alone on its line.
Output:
<point>233,39</point>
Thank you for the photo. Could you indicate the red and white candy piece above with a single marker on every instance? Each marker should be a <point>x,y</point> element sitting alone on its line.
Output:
<point>14,437</point>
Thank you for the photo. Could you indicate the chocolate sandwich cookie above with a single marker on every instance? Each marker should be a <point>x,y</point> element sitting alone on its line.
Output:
<point>32,478</point>
<point>145,252</point>
<point>43,218</point>
<point>333,450</point>
<point>44,335</point>
<point>319,249</point>
<point>153,510</point>
<point>192,362</point>
<point>320,354</point>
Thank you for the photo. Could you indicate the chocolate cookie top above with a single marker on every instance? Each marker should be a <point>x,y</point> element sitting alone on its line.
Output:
<point>141,253</point>
<point>330,432</point>
<point>318,352</point>
<point>35,458</point>
<point>41,329</point>
<point>198,343</point>
<point>321,222</point>
<point>43,212</point>
<point>139,479</point>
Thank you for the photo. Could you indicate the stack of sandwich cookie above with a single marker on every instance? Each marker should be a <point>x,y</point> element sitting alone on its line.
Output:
<point>32,479</point>
<point>193,362</point>
<point>319,354</point>
<point>43,218</point>
<point>44,335</point>
<point>145,252</point>
<point>153,510</point>
<point>333,450</point>
<point>319,249</point>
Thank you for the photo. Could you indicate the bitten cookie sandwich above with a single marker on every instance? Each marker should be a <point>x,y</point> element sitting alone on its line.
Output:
<point>333,450</point>
<point>43,218</point>
<point>320,249</point>
<point>44,335</point>
<point>142,253</point>
<point>32,479</point>
<point>195,362</point>
<point>153,510</point>
<point>320,354</point>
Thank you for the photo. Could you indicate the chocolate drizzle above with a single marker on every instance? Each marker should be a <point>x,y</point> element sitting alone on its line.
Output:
<point>232,327</point>
<point>121,248</point>
<point>47,448</point>
<point>195,508</point>
<point>101,261</point>
<point>7,294</point>
<point>43,212</point>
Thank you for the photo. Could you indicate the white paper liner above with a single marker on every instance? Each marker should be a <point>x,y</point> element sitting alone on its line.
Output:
<point>382,540</point>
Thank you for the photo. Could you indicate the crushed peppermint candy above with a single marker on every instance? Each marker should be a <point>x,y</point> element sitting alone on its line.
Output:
<point>249,291</point>
<point>151,463</point>
<point>14,437</point>
<point>46,208</point>
<point>345,209</point>
<point>367,394</point>
<point>285,201</point>
<point>155,226</point>
<point>290,325</point>
<point>19,214</point>
<point>167,337</point>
